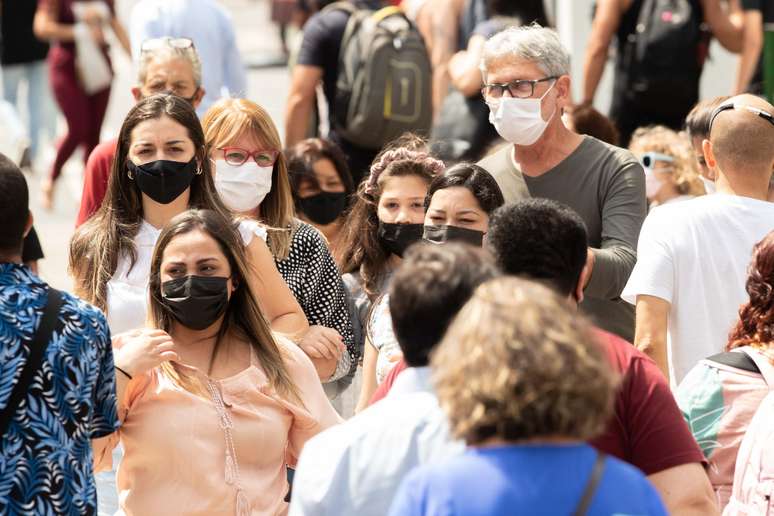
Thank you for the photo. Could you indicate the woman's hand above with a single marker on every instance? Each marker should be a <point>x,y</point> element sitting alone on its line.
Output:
<point>139,351</point>
<point>322,342</point>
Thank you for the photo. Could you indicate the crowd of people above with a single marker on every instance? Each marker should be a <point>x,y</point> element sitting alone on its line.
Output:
<point>449,289</point>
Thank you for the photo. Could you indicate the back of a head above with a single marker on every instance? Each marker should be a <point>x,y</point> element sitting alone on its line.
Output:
<point>14,207</point>
<point>431,285</point>
<point>742,140</point>
<point>540,239</point>
<point>697,123</point>
<point>587,120</point>
<point>518,364</point>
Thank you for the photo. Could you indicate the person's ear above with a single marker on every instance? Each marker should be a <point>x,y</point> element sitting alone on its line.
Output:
<point>582,281</point>
<point>28,226</point>
<point>563,91</point>
<point>709,154</point>
<point>137,94</point>
<point>198,96</point>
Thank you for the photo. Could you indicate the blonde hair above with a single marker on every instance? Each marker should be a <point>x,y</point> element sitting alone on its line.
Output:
<point>518,363</point>
<point>664,140</point>
<point>227,121</point>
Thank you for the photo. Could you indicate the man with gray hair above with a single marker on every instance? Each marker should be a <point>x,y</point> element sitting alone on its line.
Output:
<point>166,65</point>
<point>527,86</point>
<point>690,278</point>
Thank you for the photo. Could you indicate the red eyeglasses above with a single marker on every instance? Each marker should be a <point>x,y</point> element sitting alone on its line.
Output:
<point>237,157</point>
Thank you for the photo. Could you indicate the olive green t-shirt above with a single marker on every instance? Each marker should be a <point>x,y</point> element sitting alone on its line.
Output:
<point>606,186</point>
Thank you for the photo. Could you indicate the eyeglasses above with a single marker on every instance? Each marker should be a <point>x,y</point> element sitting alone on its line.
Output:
<point>237,157</point>
<point>149,45</point>
<point>649,159</point>
<point>520,88</point>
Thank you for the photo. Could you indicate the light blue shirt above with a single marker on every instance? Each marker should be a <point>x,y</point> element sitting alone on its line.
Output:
<point>209,26</point>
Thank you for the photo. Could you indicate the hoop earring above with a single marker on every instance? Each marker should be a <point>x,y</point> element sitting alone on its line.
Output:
<point>199,171</point>
<point>130,175</point>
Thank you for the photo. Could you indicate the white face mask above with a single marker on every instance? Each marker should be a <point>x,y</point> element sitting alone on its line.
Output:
<point>652,184</point>
<point>709,186</point>
<point>242,188</point>
<point>519,121</point>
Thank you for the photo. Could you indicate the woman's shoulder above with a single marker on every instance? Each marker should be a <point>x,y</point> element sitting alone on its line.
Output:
<point>307,238</point>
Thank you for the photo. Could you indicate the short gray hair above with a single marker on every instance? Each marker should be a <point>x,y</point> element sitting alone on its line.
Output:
<point>531,43</point>
<point>167,53</point>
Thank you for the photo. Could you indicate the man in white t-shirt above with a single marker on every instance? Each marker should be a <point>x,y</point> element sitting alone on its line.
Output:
<point>689,280</point>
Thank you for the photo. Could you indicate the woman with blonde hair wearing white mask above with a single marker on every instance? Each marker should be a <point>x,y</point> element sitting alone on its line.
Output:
<point>251,178</point>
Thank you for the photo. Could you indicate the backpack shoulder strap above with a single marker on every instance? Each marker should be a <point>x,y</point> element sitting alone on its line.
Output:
<point>763,363</point>
<point>591,485</point>
<point>341,6</point>
<point>736,359</point>
<point>38,347</point>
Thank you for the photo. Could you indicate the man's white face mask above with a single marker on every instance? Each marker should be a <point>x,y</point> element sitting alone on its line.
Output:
<point>519,121</point>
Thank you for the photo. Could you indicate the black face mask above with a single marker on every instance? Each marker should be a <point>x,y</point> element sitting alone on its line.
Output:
<point>323,208</point>
<point>443,234</point>
<point>196,301</point>
<point>163,180</point>
<point>396,238</point>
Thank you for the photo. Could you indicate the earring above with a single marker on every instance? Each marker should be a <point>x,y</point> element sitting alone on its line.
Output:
<point>130,175</point>
<point>199,171</point>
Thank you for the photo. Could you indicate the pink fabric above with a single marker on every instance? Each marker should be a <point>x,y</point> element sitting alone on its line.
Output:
<point>174,448</point>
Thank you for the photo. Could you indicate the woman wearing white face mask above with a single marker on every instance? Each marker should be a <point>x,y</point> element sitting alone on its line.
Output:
<point>251,178</point>
<point>670,172</point>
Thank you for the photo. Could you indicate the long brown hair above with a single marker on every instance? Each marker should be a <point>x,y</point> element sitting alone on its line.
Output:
<point>756,318</point>
<point>406,157</point>
<point>224,123</point>
<point>109,234</point>
<point>243,318</point>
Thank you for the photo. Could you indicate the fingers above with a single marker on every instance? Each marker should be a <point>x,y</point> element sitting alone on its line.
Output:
<point>312,350</point>
<point>332,341</point>
<point>169,356</point>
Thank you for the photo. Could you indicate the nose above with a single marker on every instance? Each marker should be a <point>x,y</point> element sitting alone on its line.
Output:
<point>403,216</point>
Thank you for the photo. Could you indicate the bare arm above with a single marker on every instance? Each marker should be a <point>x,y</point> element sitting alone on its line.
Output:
<point>722,25</point>
<point>606,21</point>
<point>300,102</point>
<point>274,296</point>
<point>444,29</point>
<point>686,490</point>
<point>464,67</point>
<point>752,45</point>
<point>46,27</point>
<point>369,376</point>
<point>650,335</point>
<point>120,32</point>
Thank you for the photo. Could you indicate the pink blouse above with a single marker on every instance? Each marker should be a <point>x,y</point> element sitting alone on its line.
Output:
<point>175,448</point>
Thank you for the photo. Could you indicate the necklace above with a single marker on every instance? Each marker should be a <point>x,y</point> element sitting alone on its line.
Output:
<point>232,465</point>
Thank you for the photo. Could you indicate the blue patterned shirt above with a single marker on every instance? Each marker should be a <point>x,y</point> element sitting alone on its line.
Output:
<point>45,455</point>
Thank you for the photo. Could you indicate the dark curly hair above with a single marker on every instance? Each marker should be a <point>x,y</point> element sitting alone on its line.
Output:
<point>540,239</point>
<point>477,180</point>
<point>756,318</point>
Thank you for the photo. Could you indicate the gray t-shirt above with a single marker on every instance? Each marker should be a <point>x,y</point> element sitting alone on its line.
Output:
<point>606,186</point>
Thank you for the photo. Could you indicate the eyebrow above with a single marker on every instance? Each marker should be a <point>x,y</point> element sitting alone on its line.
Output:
<point>198,262</point>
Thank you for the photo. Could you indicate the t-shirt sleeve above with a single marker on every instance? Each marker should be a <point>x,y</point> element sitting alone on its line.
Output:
<point>623,211</point>
<point>660,438</point>
<point>319,43</point>
<point>654,273</point>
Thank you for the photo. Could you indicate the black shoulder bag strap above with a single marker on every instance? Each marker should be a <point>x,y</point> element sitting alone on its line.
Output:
<point>736,359</point>
<point>591,486</point>
<point>38,347</point>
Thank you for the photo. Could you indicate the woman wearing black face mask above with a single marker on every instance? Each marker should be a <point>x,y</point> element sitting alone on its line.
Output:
<point>160,170</point>
<point>386,218</point>
<point>459,204</point>
<point>213,404</point>
<point>322,187</point>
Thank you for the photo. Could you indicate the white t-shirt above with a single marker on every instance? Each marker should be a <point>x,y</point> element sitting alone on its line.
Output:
<point>695,254</point>
<point>127,291</point>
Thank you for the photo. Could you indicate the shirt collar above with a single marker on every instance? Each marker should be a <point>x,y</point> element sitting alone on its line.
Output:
<point>15,273</point>
<point>411,380</point>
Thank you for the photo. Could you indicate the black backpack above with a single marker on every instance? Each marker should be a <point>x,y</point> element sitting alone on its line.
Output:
<point>663,57</point>
<point>384,82</point>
